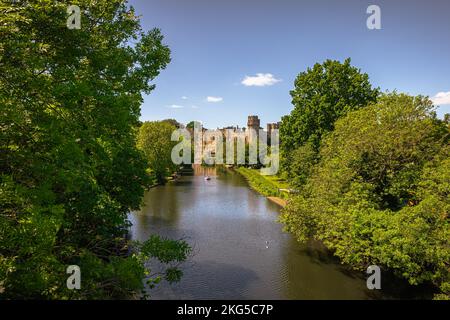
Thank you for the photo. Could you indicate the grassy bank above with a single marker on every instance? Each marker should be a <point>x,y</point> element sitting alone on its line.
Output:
<point>268,186</point>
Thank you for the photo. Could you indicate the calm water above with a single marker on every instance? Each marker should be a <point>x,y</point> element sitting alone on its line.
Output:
<point>228,225</point>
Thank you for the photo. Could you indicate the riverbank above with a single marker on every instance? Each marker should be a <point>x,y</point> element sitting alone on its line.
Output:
<point>241,251</point>
<point>174,176</point>
<point>281,202</point>
<point>269,186</point>
<point>229,222</point>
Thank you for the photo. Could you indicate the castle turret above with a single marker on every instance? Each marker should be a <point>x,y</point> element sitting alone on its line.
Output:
<point>254,124</point>
<point>272,126</point>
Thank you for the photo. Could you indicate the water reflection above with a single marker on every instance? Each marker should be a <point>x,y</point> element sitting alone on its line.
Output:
<point>240,249</point>
<point>204,170</point>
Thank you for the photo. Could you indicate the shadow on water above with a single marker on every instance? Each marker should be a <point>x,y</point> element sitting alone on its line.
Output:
<point>240,249</point>
<point>393,287</point>
<point>217,281</point>
<point>166,208</point>
<point>181,182</point>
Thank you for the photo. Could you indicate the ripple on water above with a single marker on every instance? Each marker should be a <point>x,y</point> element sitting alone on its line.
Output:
<point>228,224</point>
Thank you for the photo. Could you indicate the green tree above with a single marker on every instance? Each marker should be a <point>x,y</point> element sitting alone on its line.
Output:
<point>154,139</point>
<point>447,118</point>
<point>174,122</point>
<point>300,162</point>
<point>379,194</point>
<point>70,170</point>
<point>191,124</point>
<point>321,95</point>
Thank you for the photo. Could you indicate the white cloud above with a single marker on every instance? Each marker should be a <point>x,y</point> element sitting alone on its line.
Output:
<point>194,107</point>
<point>214,99</point>
<point>441,98</point>
<point>260,80</point>
<point>184,97</point>
<point>175,106</point>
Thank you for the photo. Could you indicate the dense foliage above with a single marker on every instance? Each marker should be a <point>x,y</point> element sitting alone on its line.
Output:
<point>380,193</point>
<point>154,139</point>
<point>321,95</point>
<point>70,170</point>
<point>174,122</point>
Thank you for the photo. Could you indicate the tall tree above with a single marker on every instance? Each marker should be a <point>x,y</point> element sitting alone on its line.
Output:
<point>321,95</point>
<point>70,172</point>
<point>154,139</point>
<point>379,194</point>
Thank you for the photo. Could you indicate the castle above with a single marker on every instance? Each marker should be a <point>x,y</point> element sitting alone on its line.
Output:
<point>251,132</point>
<point>254,123</point>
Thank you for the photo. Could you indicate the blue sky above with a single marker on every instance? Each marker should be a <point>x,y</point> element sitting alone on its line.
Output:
<point>216,44</point>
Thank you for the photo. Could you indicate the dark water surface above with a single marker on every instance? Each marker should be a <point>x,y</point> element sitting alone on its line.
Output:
<point>228,225</point>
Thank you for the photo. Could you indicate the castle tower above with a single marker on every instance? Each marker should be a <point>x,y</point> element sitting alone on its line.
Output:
<point>272,126</point>
<point>255,124</point>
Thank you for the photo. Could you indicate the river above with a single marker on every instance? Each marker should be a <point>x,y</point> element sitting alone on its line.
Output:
<point>240,250</point>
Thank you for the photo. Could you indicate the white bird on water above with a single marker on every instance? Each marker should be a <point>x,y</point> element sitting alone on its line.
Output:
<point>267,244</point>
